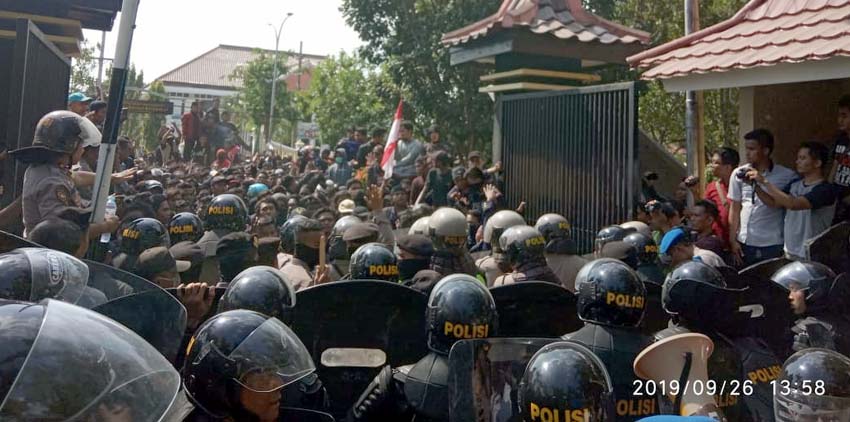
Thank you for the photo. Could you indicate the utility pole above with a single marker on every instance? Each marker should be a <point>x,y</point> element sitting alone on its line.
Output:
<point>695,134</point>
<point>277,33</point>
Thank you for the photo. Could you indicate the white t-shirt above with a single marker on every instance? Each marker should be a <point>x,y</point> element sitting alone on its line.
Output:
<point>761,225</point>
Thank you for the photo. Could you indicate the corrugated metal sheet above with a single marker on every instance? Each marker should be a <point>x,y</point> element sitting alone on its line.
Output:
<point>565,19</point>
<point>763,33</point>
<point>213,68</point>
<point>573,153</point>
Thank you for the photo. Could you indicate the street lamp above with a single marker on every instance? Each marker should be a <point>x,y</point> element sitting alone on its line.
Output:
<point>277,32</point>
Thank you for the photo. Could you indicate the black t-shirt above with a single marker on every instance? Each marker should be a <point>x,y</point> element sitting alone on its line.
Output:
<point>841,155</point>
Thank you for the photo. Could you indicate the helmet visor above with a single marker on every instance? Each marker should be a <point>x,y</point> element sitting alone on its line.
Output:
<point>56,275</point>
<point>271,357</point>
<point>797,276</point>
<point>90,136</point>
<point>101,369</point>
<point>799,407</point>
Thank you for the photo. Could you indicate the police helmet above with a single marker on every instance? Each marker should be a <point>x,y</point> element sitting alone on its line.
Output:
<point>226,212</point>
<point>646,248</point>
<point>262,289</point>
<point>58,132</point>
<point>337,249</point>
<point>812,277</point>
<point>33,274</point>
<point>448,229</point>
<point>522,244</point>
<point>498,223</point>
<point>459,307</point>
<point>680,290</point>
<point>420,226</point>
<point>185,226</point>
<point>638,226</point>
<point>70,363</point>
<point>565,381</point>
<point>373,261</point>
<point>288,232</point>
<point>241,349</point>
<point>150,185</point>
<point>814,385</point>
<point>609,234</point>
<point>142,234</point>
<point>611,293</point>
<point>553,226</point>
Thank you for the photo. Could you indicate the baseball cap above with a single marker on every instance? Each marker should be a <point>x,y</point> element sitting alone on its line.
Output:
<point>158,260</point>
<point>78,97</point>
<point>672,238</point>
<point>346,207</point>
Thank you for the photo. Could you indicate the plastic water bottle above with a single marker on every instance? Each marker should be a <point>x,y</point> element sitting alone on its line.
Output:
<point>111,209</point>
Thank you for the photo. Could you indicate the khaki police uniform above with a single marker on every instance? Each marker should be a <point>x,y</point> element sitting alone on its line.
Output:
<point>46,189</point>
<point>298,272</point>
<point>488,266</point>
<point>566,267</point>
<point>210,273</point>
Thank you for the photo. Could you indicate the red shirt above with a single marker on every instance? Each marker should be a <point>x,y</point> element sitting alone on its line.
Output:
<point>191,126</point>
<point>720,228</point>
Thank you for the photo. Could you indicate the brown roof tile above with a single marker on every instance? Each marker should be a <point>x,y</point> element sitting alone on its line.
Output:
<point>213,68</point>
<point>762,33</point>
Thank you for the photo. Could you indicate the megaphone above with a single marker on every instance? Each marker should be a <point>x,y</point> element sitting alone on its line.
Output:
<point>679,363</point>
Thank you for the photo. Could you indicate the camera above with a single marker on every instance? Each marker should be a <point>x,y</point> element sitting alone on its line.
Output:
<point>741,174</point>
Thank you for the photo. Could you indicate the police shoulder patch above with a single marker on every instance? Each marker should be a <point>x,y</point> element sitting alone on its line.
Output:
<point>63,195</point>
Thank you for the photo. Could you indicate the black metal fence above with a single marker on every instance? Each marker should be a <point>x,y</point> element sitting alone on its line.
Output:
<point>574,153</point>
<point>37,84</point>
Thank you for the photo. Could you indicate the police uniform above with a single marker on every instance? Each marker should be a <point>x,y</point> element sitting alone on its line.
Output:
<point>524,247</point>
<point>225,214</point>
<point>298,273</point>
<point>210,273</point>
<point>566,267</point>
<point>47,188</point>
<point>488,266</point>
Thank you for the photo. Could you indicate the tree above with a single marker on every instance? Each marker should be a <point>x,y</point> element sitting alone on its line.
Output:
<point>346,90</point>
<point>254,98</point>
<point>152,122</point>
<point>404,37</point>
<point>83,67</point>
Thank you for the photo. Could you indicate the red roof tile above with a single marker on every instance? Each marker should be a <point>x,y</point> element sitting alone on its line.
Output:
<point>762,33</point>
<point>565,19</point>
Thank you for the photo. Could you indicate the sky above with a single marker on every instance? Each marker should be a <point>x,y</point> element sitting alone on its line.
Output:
<point>172,32</point>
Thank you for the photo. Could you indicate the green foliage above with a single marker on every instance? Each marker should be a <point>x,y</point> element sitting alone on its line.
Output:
<point>254,99</point>
<point>152,122</point>
<point>83,71</point>
<point>403,36</point>
<point>346,90</point>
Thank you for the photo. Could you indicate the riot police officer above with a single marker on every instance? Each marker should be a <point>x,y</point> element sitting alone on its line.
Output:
<point>230,372</point>
<point>564,381</point>
<point>185,226</point>
<point>494,265</point>
<point>33,274</point>
<point>338,253</point>
<point>225,214</point>
<point>373,261</point>
<point>69,363</point>
<point>420,226</point>
<point>696,296</point>
<point>822,323</point>
<point>138,236</point>
<point>302,236</point>
<point>459,307</point>
<point>447,228</point>
<point>647,250</point>
<point>611,302</point>
<point>152,186</point>
<point>814,385</point>
<point>261,289</point>
<point>560,249</point>
<point>524,247</point>
<point>608,234</point>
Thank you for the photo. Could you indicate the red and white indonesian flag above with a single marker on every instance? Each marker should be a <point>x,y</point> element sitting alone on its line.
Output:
<point>388,160</point>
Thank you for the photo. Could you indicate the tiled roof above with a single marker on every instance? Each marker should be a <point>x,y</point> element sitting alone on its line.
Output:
<point>762,33</point>
<point>564,19</point>
<point>213,68</point>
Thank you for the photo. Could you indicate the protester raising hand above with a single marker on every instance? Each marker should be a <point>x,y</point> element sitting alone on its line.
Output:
<point>375,198</point>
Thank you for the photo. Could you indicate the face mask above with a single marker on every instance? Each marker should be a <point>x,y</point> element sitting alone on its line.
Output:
<point>338,160</point>
<point>407,268</point>
<point>309,255</point>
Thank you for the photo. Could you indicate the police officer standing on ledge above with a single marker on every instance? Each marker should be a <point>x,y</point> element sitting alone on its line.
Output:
<point>48,186</point>
<point>611,302</point>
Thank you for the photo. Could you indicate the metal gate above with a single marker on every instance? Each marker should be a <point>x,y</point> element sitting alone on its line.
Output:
<point>37,85</point>
<point>574,153</point>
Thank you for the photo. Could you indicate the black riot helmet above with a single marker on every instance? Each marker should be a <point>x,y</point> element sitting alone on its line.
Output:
<point>459,307</point>
<point>33,274</point>
<point>522,244</point>
<point>58,132</point>
<point>70,363</point>
<point>646,248</point>
<point>814,386</point>
<point>288,232</point>
<point>373,261</point>
<point>812,277</point>
<point>695,292</point>
<point>610,293</point>
<point>337,249</point>
<point>185,226</point>
<point>261,289</point>
<point>226,212</point>
<point>152,186</point>
<point>241,349</point>
<point>565,381</point>
<point>609,234</point>
<point>142,234</point>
